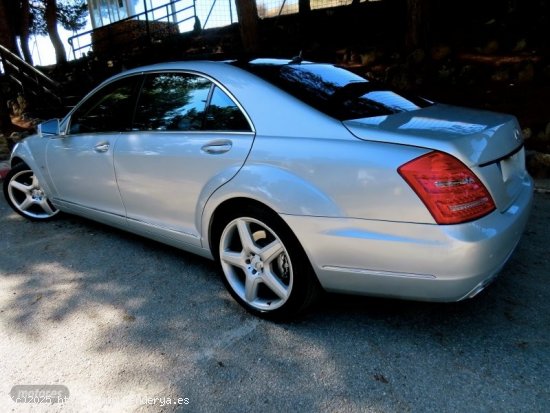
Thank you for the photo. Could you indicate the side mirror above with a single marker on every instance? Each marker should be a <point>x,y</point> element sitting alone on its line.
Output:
<point>50,127</point>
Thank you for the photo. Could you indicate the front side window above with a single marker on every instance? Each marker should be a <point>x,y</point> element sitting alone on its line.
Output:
<point>108,110</point>
<point>172,102</point>
<point>186,102</point>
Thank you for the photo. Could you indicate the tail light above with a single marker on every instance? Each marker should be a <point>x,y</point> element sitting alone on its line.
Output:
<point>450,190</point>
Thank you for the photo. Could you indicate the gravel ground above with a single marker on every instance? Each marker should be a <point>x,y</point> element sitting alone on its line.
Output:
<point>119,321</point>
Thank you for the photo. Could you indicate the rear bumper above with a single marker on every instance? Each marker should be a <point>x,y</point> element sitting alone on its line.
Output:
<point>412,261</point>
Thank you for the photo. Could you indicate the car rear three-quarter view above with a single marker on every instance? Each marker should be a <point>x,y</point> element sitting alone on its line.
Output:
<point>295,176</point>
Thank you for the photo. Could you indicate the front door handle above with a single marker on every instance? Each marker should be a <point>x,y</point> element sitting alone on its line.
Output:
<point>218,146</point>
<point>102,147</point>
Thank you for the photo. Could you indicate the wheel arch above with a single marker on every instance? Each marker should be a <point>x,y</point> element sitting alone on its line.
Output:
<point>241,204</point>
<point>269,187</point>
<point>30,153</point>
<point>22,154</point>
<point>230,205</point>
<point>16,160</point>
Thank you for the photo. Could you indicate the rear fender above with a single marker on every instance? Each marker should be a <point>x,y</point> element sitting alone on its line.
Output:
<point>278,189</point>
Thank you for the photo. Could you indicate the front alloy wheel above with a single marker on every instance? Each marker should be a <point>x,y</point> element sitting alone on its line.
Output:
<point>264,266</point>
<point>26,196</point>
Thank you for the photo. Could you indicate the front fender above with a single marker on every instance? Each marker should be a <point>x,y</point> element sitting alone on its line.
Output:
<point>32,151</point>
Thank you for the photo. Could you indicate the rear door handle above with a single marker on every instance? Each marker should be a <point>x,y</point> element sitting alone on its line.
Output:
<point>218,146</point>
<point>102,147</point>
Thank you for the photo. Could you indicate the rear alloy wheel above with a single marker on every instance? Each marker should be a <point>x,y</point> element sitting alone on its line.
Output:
<point>264,267</point>
<point>26,196</point>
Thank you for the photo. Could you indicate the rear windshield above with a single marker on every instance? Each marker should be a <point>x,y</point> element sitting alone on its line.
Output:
<point>335,91</point>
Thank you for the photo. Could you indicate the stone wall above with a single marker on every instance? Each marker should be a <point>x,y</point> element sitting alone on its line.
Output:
<point>126,34</point>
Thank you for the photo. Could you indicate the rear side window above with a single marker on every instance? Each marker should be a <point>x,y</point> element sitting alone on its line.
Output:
<point>172,102</point>
<point>108,110</point>
<point>223,114</point>
<point>335,91</point>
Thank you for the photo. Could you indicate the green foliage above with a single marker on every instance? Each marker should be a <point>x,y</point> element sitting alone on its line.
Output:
<point>70,13</point>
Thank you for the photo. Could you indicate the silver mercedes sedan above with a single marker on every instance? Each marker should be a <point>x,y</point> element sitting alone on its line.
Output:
<point>296,177</point>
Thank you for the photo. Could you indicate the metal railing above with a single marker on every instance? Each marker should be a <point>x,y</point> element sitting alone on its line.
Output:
<point>28,77</point>
<point>220,13</point>
<point>172,15</point>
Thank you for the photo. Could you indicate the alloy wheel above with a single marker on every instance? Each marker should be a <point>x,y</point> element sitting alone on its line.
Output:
<point>256,264</point>
<point>27,196</point>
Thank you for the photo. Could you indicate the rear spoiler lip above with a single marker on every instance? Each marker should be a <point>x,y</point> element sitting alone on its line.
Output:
<point>519,148</point>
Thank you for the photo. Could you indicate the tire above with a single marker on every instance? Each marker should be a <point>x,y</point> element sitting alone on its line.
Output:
<point>26,196</point>
<point>263,265</point>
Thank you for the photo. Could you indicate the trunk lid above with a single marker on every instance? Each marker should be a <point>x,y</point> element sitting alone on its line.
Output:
<point>491,144</point>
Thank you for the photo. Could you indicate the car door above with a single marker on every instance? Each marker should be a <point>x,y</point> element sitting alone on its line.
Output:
<point>80,163</point>
<point>189,138</point>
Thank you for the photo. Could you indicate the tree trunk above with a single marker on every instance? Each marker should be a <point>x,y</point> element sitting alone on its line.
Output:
<point>6,127</point>
<point>304,7</point>
<point>7,30</point>
<point>51,24</point>
<point>5,121</point>
<point>248,25</point>
<point>418,29</point>
<point>24,31</point>
<point>7,39</point>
